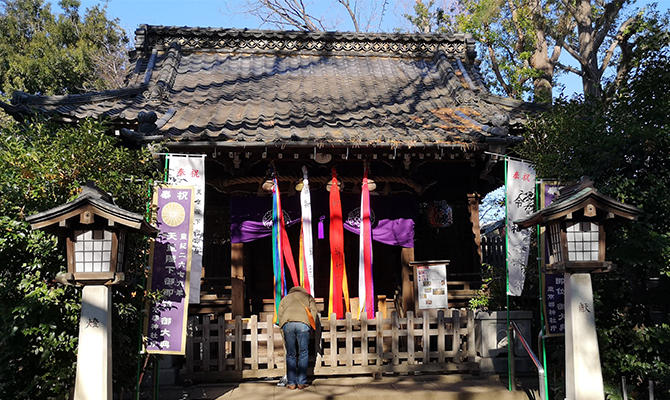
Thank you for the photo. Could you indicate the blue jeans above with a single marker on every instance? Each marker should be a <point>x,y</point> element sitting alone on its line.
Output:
<point>297,357</point>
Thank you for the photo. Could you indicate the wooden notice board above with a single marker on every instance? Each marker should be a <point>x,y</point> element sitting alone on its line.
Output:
<point>430,284</point>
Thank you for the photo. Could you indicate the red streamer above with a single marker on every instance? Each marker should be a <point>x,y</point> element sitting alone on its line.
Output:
<point>336,232</point>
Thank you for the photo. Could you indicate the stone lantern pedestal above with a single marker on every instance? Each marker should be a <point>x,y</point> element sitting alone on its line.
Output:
<point>94,356</point>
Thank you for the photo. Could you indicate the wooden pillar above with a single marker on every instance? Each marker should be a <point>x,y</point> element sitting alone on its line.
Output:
<point>407,256</point>
<point>473,208</point>
<point>237,278</point>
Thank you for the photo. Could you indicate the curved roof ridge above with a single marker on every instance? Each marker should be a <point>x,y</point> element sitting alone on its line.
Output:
<point>458,45</point>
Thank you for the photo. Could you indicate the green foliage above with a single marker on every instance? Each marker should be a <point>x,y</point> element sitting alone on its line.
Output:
<point>42,165</point>
<point>623,143</point>
<point>491,295</point>
<point>41,52</point>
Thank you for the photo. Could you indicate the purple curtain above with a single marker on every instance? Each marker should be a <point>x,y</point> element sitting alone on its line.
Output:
<point>251,217</point>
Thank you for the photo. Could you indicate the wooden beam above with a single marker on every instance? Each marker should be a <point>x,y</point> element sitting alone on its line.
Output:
<point>473,208</point>
<point>237,278</point>
<point>407,256</point>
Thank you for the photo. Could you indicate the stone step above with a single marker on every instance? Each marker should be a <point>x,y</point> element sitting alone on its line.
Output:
<point>421,387</point>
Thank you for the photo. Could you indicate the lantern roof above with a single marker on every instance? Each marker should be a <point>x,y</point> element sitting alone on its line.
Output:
<point>95,201</point>
<point>575,198</point>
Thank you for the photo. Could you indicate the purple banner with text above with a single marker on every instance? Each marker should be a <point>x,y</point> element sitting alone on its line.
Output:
<point>170,270</point>
<point>554,284</point>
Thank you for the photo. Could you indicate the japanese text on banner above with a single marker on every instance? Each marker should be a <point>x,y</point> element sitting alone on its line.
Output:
<point>170,270</point>
<point>520,194</point>
<point>190,171</point>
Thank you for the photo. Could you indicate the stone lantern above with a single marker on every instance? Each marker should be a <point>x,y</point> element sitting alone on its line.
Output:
<point>94,229</point>
<point>574,224</point>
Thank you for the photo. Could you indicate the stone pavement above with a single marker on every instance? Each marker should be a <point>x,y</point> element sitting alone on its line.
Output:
<point>420,387</point>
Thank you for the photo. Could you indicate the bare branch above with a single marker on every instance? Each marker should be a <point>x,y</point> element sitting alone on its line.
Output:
<point>574,53</point>
<point>569,69</point>
<point>565,26</point>
<point>285,13</point>
<point>496,70</point>
<point>352,15</point>
<point>604,23</point>
<point>621,37</point>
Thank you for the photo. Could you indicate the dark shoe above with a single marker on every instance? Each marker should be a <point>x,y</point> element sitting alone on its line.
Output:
<point>302,386</point>
<point>292,387</point>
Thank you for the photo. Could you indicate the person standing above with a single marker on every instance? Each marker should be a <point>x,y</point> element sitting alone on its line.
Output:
<point>296,317</point>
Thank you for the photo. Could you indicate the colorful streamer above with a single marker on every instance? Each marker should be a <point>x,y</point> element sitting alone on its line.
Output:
<point>306,240</point>
<point>366,294</point>
<point>336,233</point>
<point>281,250</point>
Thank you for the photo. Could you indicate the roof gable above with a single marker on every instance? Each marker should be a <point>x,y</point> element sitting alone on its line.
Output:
<point>242,87</point>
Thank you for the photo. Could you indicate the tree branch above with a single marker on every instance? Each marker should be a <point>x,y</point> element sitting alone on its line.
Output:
<point>518,47</point>
<point>496,71</point>
<point>621,37</point>
<point>604,23</point>
<point>352,15</point>
<point>574,53</point>
<point>569,69</point>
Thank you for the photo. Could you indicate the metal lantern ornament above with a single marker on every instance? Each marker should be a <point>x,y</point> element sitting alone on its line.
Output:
<point>95,231</point>
<point>575,227</point>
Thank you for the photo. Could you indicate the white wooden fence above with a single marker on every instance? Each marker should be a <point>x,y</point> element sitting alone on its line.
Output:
<point>248,348</point>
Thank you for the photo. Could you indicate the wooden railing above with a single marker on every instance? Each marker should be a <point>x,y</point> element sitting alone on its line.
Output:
<point>248,348</point>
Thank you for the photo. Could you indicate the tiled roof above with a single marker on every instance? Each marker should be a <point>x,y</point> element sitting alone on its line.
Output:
<point>271,87</point>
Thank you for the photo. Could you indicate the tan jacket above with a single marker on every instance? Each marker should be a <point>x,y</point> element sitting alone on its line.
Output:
<point>292,307</point>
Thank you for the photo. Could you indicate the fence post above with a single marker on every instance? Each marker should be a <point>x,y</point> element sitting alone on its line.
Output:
<point>221,355</point>
<point>206,351</point>
<point>364,339</point>
<point>394,337</point>
<point>441,339</point>
<point>379,341</point>
<point>253,326</point>
<point>239,350</point>
<point>270,328</point>
<point>456,335</point>
<point>318,343</point>
<point>410,338</point>
<point>349,342</point>
<point>333,340</point>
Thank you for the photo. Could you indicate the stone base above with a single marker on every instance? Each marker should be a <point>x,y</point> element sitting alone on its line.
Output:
<point>94,355</point>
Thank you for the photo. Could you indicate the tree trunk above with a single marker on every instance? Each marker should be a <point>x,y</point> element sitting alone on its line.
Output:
<point>540,61</point>
<point>587,50</point>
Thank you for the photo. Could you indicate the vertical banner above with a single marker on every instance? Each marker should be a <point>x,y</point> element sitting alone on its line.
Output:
<point>170,262</point>
<point>190,171</point>
<point>520,200</point>
<point>553,284</point>
<point>307,246</point>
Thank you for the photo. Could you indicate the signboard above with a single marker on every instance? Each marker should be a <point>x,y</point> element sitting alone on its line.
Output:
<point>554,304</point>
<point>170,262</point>
<point>430,284</point>
<point>187,170</point>
<point>553,285</point>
